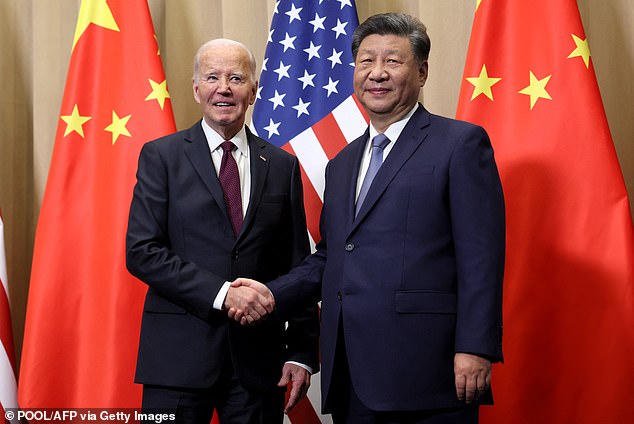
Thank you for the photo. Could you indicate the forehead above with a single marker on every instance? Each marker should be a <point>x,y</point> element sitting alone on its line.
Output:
<point>389,43</point>
<point>224,58</point>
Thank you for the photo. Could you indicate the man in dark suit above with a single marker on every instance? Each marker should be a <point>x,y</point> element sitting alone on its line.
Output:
<point>213,202</point>
<point>410,265</point>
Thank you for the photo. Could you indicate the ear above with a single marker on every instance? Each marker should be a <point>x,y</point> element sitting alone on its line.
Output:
<point>254,92</point>
<point>195,89</point>
<point>423,72</point>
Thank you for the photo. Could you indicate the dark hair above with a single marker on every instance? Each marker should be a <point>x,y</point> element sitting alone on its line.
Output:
<point>399,24</point>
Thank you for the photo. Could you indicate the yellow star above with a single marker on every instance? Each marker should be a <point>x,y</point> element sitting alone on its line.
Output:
<point>74,122</point>
<point>117,127</point>
<point>159,92</point>
<point>94,12</point>
<point>536,89</point>
<point>478,4</point>
<point>582,50</point>
<point>482,84</point>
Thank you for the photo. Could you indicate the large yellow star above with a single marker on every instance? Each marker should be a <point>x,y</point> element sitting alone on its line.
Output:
<point>118,127</point>
<point>582,50</point>
<point>482,84</point>
<point>536,89</point>
<point>94,12</point>
<point>159,92</point>
<point>75,122</point>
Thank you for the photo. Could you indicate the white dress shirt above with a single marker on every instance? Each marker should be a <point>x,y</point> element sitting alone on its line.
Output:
<point>393,132</point>
<point>241,155</point>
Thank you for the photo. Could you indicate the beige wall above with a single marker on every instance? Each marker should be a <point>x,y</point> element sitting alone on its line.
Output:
<point>36,37</point>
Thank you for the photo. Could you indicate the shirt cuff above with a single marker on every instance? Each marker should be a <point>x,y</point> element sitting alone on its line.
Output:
<point>219,301</point>
<point>306,367</point>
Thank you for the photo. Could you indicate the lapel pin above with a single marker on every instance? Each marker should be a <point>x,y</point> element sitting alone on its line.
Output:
<point>263,158</point>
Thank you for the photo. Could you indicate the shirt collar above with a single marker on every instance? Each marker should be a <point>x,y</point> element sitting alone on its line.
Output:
<point>214,139</point>
<point>394,131</point>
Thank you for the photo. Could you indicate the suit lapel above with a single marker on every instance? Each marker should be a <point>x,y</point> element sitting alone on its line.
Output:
<point>259,161</point>
<point>351,173</point>
<point>410,139</point>
<point>197,151</point>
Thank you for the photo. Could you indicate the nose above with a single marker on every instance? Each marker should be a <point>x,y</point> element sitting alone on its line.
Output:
<point>223,85</point>
<point>378,73</point>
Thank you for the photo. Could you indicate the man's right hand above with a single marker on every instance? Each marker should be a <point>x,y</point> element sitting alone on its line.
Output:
<point>248,301</point>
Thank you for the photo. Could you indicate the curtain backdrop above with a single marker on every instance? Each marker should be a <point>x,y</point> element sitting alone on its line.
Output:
<point>35,50</point>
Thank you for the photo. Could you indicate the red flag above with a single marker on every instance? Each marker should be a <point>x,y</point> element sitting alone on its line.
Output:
<point>8,386</point>
<point>569,282</point>
<point>84,309</point>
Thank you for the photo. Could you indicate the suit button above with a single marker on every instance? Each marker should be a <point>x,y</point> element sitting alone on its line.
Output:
<point>349,247</point>
<point>234,255</point>
<point>339,295</point>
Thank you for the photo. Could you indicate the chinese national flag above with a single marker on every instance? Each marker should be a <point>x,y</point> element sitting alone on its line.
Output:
<point>569,282</point>
<point>84,309</point>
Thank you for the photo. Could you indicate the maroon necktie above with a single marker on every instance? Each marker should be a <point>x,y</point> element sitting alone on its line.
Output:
<point>230,182</point>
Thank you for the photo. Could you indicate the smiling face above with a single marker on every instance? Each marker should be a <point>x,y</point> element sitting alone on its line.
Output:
<point>224,86</point>
<point>387,78</point>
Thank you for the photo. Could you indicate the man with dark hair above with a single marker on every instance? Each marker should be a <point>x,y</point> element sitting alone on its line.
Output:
<point>410,265</point>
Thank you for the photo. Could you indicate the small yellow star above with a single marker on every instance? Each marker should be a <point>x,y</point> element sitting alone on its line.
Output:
<point>478,4</point>
<point>118,127</point>
<point>75,122</point>
<point>94,12</point>
<point>482,84</point>
<point>159,92</point>
<point>536,89</point>
<point>582,50</point>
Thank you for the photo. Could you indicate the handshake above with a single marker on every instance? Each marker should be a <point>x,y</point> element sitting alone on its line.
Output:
<point>248,301</point>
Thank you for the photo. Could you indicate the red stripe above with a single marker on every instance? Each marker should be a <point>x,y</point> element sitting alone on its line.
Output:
<point>303,413</point>
<point>6,333</point>
<point>312,202</point>
<point>330,136</point>
<point>362,109</point>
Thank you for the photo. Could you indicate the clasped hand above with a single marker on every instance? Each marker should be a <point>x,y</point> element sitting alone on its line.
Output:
<point>248,301</point>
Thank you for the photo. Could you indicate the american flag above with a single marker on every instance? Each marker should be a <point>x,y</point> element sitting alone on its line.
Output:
<point>305,102</point>
<point>8,385</point>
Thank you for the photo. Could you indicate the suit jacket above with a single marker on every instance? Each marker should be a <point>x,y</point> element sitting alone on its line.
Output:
<point>416,276</point>
<point>180,243</point>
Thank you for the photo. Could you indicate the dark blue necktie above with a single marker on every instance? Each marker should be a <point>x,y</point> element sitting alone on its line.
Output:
<point>378,144</point>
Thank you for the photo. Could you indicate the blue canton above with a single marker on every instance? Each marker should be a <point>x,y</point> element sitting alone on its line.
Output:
<point>308,66</point>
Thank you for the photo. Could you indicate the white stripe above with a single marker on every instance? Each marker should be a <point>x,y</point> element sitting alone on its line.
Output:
<point>8,385</point>
<point>350,119</point>
<point>312,157</point>
<point>313,245</point>
<point>314,395</point>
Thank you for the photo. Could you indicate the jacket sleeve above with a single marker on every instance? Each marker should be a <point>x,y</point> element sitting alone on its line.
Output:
<point>149,253</point>
<point>302,333</point>
<point>478,225</point>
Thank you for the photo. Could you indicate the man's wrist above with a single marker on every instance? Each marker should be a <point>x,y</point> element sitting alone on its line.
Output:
<point>299,364</point>
<point>219,301</point>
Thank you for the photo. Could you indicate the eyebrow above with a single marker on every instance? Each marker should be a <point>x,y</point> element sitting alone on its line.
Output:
<point>367,50</point>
